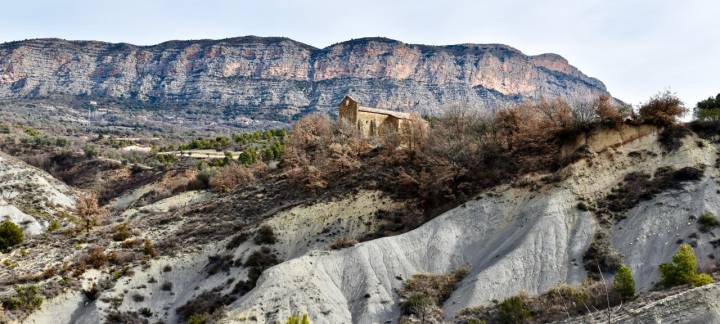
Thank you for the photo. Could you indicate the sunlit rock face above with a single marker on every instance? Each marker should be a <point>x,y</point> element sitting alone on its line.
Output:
<point>282,79</point>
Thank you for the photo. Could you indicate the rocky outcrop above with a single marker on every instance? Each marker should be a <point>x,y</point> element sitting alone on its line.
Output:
<point>278,78</point>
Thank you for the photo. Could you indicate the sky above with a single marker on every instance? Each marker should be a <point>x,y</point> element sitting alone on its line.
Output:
<point>636,47</point>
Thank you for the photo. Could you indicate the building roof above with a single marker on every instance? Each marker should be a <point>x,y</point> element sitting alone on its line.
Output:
<point>395,114</point>
<point>392,113</point>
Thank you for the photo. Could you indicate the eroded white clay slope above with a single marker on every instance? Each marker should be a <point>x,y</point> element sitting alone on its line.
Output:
<point>514,240</point>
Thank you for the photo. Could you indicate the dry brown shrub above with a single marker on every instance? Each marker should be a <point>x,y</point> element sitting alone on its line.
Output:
<point>79,269</point>
<point>457,137</point>
<point>554,114</point>
<point>318,148</point>
<point>231,176</point>
<point>88,210</point>
<point>149,248</point>
<point>663,109</point>
<point>259,168</point>
<point>350,136</point>
<point>415,135</point>
<point>534,121</point>
<point>95,257</point>
<point>527,134</point>
<point>130,243</point>
<point>607,112</point>
<point>178,182</point>
<point>342,157</point>
<point>311,133</point>
<point>437,286</point>
<point>389,138</point>
<point>121,257</point>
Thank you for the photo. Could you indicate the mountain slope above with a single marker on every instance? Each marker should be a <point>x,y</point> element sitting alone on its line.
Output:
<point>278,78</point>
<point>513,239</point>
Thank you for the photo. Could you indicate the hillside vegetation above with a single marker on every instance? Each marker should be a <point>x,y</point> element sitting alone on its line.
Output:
<point>544,211</point>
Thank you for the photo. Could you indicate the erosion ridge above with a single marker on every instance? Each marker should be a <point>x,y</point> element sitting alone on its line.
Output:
<point>514,240</point>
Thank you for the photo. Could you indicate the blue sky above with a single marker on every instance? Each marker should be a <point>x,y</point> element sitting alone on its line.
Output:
<point>637,47</point>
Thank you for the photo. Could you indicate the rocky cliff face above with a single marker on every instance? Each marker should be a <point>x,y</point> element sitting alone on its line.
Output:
<point>279,78</point>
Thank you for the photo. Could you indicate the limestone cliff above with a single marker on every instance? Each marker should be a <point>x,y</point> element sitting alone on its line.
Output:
<point>279,78</point>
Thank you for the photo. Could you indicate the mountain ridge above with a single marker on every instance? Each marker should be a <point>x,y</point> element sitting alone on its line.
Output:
<point>280,78</point>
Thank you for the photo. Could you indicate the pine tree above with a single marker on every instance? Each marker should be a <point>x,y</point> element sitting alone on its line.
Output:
<point>295,319</point>
<point>624,283</point>
<point>683,269</point>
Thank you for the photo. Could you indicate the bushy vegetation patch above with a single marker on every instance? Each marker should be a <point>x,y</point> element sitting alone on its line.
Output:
<point>218,263</point>
<point>708,109</point>
<point>707,129</point>
<point>514,310</point>
<point>423,294</point>
<point>236,240</point>
<point>166,286</point>
<point>343,243</point>
<point>122,232</point>
<point>557,304</point>
<point>671,137</point>
<point>116,317</point>
<point>91,293</point>
<point>206,303</point>
<point>297,319</point>
<point>256,263</point>
<point>149,248</point>
<point>623,283</point>
<point>265,235</point>
<point>683,269</point>
<point>231,176</point>
<point>601,256</point>
<point>27,298</point>
<point>707,221</point>
<point>95,257</point>
<point>10,235</point>
<point>663,109</point>
<point>639,186</point>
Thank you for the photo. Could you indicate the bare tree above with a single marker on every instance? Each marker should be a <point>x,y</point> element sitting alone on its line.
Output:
<point>89,211</point>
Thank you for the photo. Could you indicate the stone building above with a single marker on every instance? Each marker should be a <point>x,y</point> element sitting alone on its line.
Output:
<point>372,122</point>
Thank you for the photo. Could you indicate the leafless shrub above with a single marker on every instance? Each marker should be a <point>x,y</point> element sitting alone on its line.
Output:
<point>88,210</point>
<point>607,112</point>
<point>95,257</point>
<point>663,109</point>
<point>231,176</point>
